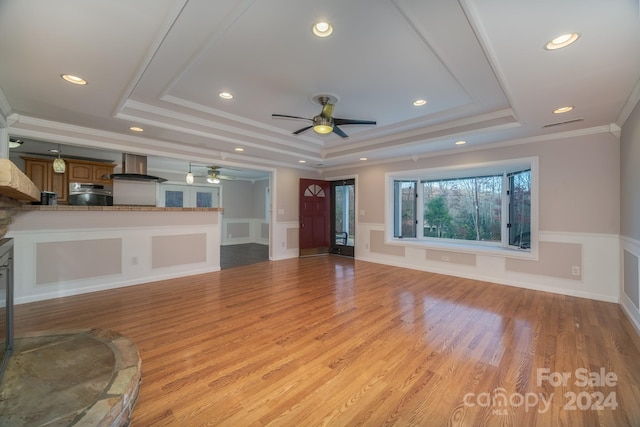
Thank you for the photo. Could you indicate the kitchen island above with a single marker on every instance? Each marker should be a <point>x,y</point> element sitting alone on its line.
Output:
<point>66,250</point>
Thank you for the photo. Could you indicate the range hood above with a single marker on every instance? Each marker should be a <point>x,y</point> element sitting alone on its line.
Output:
<point>134,168</point>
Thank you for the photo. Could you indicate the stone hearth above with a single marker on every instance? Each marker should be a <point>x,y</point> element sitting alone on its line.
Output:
<point>78,378</point>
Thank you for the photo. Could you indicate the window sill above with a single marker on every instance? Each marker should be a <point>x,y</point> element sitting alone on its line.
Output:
<point>469,248</point>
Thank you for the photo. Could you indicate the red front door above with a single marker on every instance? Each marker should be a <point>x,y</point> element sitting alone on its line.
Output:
<point>314,216</point>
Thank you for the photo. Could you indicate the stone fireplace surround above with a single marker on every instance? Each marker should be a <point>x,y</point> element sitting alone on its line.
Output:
<point>71,378</point>
<point>109,388</point>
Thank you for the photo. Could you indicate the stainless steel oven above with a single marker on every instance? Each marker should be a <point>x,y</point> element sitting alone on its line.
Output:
<point>84,194</point>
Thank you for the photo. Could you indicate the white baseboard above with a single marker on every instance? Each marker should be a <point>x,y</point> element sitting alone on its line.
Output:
<point>60,293</point>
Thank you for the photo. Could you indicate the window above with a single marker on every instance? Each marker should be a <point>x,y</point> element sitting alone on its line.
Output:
<point>189,196</point>
<point>204,199</point>
<point>174,199</point>
<point>468,208</point>
<point>405,208</point>
<point>485,205</point>
<point>519,225</point>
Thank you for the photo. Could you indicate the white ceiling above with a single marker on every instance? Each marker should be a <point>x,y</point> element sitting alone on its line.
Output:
<point>160,64</point>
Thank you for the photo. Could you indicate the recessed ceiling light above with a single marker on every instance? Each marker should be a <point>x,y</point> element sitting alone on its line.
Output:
<point>238,149</point>
<point>322,29</point>
<point>363,158</point>
<point>225,95</point>
<point>74,79</point>
<point>302,161</point>
<point>563,110</point>
<point>136,129</point>
<point>419,102</point>
<point>461,142</point>
<point>562,41</point>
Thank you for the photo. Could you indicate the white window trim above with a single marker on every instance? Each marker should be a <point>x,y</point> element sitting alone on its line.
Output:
<point>486,248</point>
<point>189,191</point>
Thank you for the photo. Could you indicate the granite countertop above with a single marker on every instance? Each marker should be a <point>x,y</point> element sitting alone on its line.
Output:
<point>128,208</point>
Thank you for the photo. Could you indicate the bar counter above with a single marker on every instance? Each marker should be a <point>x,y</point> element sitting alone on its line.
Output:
<point>129,208</point>
<point>63,250</point>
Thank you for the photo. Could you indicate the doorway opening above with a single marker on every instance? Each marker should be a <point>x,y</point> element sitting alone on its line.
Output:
<point>327,217</point>
<point>343,217</point>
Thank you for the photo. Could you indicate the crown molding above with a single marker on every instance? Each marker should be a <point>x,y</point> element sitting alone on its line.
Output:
<point>5,110</point>
<point>631,103</point>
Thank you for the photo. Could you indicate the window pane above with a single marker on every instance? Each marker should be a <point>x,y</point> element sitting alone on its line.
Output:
<point>463,208</point>
<point>203,199</point>
<point>173,199</point>
<point>520,209</point>
<point>345,215</point>
<point>404,208</point>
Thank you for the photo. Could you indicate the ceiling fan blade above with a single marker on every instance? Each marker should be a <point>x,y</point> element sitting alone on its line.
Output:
<point>339,131</point>
<point>290,117</point>
<point>327,111</point>
<point>299,131</point>
<point>353,122</point>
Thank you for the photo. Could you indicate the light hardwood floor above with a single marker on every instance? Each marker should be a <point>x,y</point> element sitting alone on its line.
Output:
<point>333,341</point>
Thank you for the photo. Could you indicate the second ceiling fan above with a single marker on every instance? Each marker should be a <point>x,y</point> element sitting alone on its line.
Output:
<point>213,174</point>
<point>324,122</point>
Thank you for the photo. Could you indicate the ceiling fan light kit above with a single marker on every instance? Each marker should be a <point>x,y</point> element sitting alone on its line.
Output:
<point>213,175</point>
<point>322,125</point>
<point>15,142</point>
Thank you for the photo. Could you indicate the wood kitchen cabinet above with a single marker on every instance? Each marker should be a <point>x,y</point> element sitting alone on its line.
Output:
<point>40,171</point>
<point>89,172</point>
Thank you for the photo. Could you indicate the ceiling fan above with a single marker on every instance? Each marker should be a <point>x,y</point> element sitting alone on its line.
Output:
<point>213,175</point>
<point>325,122</point>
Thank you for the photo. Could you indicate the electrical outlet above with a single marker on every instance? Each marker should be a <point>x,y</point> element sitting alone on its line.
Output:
<point>575,270</point>
<point>134,260</point>
<point>445,258</point>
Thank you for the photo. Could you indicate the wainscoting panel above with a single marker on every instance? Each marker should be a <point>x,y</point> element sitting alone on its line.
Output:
<point>557,259</point>
<point>180,249</point>
<point>630,295</point>
<point>630,279</point>
<point>596,256</point>
<point>377,245</point>
<point>77,259</point>
<point>452,257</point>
<point>237,231</point>
<point>293,238</point>
<point>284,243</point>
